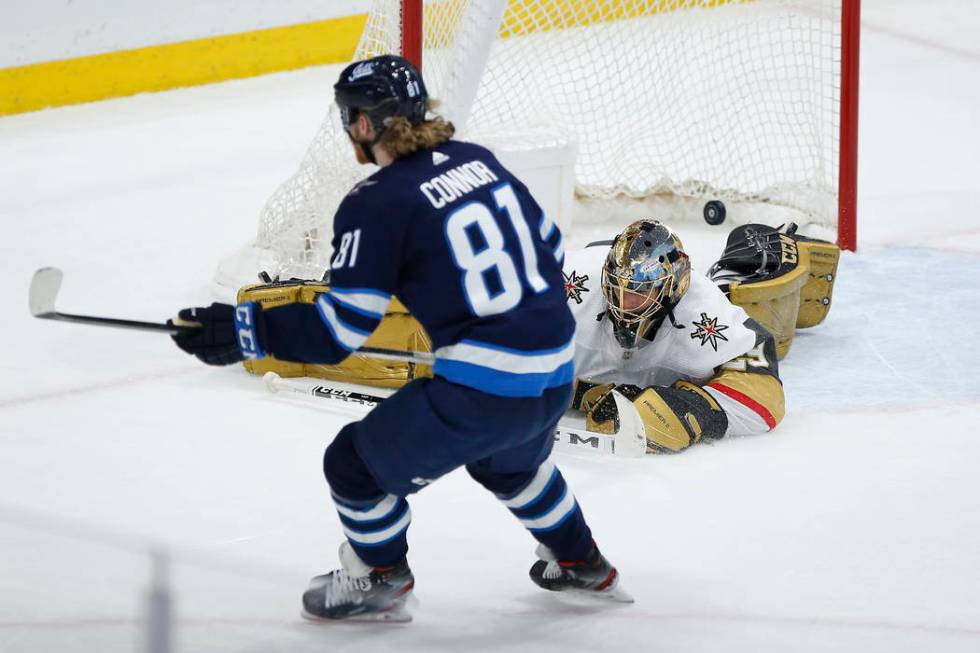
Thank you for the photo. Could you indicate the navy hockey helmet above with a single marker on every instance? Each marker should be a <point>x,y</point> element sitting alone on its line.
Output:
<point>381,88</point>
<point>645,275</point>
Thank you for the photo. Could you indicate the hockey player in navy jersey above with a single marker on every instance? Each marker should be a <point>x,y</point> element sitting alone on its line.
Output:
<point>459,240</point>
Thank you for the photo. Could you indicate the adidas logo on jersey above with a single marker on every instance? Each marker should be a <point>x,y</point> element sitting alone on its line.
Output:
<point>439,158</point>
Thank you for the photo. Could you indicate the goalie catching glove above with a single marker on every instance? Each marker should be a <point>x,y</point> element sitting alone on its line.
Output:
<point>673,417</point>
<point>783,280</point>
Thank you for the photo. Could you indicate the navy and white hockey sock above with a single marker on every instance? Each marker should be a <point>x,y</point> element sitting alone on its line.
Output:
<point>374,521</point>
<point>549,510</point>
<point>376,529</point>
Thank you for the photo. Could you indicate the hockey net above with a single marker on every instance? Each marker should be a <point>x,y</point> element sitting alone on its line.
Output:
<point>694,99</point>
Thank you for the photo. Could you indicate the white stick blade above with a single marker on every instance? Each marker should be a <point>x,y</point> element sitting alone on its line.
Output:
<point>44,291</point>
<point>631,440</point>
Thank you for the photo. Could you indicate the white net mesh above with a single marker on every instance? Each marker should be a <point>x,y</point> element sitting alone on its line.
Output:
<point>714,99</point>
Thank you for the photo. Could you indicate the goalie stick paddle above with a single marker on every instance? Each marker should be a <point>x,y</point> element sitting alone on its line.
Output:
<point>630,441</point>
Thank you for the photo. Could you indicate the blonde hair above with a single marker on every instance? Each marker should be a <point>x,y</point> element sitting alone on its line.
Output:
<point>401,137</point>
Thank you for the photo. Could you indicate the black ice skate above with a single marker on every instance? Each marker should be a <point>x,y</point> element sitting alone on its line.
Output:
<point>593,577</point>
<point>359,592</point>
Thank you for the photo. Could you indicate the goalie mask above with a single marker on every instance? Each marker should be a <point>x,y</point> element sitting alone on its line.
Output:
<point>645,274</point>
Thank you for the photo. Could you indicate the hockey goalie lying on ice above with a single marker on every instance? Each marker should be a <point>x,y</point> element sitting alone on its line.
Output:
<point>696,355</point>
<point>696,365</point>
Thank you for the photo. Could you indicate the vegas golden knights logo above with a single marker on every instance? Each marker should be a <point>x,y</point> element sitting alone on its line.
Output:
<point>575,286</point>
<point>709,331</point>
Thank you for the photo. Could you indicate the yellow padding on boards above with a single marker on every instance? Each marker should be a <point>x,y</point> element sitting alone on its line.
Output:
<point>234,56</point>
<point>172,65</point>
<point>522,17</point>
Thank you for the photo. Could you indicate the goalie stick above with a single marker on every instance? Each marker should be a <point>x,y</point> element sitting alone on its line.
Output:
<point>47,282</point>
<point>629,441</point>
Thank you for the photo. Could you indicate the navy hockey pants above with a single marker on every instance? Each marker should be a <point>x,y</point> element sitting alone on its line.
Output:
<point>429,428</point>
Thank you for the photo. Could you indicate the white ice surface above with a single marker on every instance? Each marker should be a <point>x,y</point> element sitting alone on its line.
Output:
<point>853,527</point>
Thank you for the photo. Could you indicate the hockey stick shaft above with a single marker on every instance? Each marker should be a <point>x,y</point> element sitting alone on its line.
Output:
<point>417,357</point>
<point>113,322</point>
<point>567,438</point>
<point>47,281</point>
<point>44,291</point>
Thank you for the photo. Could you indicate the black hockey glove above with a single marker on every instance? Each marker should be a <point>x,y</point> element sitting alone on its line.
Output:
<point>215,342</point>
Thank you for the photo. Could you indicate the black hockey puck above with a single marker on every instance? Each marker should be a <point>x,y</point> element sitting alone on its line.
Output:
<point>714,212</point>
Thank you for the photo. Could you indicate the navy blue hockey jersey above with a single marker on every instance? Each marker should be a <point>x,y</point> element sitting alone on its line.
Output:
<point>461,242</point>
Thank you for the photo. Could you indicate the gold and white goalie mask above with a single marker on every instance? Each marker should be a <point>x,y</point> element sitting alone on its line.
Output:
<point>397,330</point>
<point>645,275</point>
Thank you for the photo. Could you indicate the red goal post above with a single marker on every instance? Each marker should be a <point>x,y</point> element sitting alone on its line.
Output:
<point>850,74</point>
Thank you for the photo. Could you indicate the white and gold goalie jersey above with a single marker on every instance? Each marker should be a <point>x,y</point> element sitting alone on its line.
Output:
<point>709,331</point>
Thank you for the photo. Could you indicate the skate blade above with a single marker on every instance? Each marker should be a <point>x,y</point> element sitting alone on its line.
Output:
<point>615,594</point>
<point>397,614</point>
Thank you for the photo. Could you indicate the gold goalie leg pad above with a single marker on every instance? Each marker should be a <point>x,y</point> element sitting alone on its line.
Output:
<point>398,330</point>
<point>775,303</point>
<point>816,295</point>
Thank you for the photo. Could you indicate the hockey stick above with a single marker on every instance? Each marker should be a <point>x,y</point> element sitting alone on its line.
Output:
<point>630,441</point>
<point>47,282</point>
<point>44,291</point>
